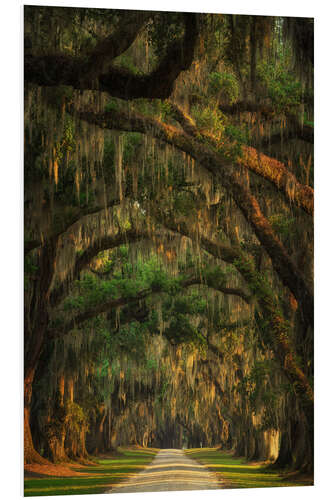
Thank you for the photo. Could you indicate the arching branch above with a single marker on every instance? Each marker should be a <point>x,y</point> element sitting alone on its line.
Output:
<point>66,223</point>
<point>83,260</point>
<point>143,294</point>
<point>95,311</point>
<point>118,42</point>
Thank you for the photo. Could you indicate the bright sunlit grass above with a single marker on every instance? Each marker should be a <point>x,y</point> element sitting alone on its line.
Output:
<point>99,478</point>
<point>239,474</point>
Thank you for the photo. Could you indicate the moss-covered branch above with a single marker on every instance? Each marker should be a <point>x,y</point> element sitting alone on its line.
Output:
<point>269,168</point>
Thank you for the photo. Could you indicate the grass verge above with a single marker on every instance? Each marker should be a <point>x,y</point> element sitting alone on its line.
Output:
<point>96,478</point>
<point>237,473</point>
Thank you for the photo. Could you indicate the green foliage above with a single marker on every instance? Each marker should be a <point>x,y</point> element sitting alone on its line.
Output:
<point>310,123</point>
<point>163,391</point>
<point>256,388</point>
<point>237,135</point>
<point>127,282</point>
<point>224,84</point>
<point>164,32</point>
<point>282,88</point>
<point>152,323</point>
<point>166,109</point>
<point>112,105</point>
<point>283,224</point>
<point>179,312</point>
<point>182,331</point>
<point>214,275</point>
<point>185,204</point>
<point>129,339</point>
<point>30,270</point>
<point>125,61</point>
<point>123,252</point>
<point>55,427</point>
<point>76,419</point>
<point>133,141</point>
<point>30,266</point>
<point>210,121</point>
<point>109,151</point>
<point>152,364</point>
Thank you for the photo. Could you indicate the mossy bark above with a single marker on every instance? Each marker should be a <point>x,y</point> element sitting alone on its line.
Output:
<point>36,321</point>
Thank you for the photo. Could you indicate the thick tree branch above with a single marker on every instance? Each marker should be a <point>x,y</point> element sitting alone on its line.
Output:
<point>55,70</point>
<point>122,301</point>
<point>269,168</point>
<point>276,172</point>
<point>118,42</point>
<point>211,283</point>
<point>293,129</point>
<point>95,311</point>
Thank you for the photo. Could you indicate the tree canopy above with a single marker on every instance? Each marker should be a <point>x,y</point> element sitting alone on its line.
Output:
<point>168,233</point>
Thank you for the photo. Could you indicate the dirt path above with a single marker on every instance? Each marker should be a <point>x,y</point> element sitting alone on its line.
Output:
<point>171,470</point>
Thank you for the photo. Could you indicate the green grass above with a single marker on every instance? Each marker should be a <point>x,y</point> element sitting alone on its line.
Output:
<point>239,474</point>
<point>101,477</point>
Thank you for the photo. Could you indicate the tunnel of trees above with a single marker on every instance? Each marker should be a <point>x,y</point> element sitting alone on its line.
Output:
<point>168,233</point>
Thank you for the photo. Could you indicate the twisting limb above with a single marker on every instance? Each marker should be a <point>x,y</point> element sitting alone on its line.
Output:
<point>259,163</point>
<point>83,260</point>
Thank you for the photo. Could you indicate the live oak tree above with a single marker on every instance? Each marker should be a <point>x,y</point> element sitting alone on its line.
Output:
<point>186,138</point>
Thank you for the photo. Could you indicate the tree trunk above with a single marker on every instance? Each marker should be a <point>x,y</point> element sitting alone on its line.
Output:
<point>57,448</point>
<point>96,439</point>
<point>76,446</point>
<point>30,454</point>
<point>145,439</point>
<point>56,441</point>
<point>296,447</point>
<point>35,325</point>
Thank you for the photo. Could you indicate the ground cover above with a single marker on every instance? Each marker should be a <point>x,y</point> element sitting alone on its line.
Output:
<point>92,478</point>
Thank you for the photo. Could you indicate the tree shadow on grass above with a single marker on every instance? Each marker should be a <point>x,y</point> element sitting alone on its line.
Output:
<point>100,477</point>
